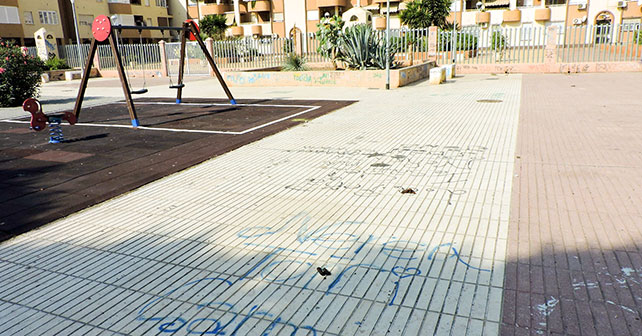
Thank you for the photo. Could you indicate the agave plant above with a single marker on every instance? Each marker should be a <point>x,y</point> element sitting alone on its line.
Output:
<point>361,49</point>
<point>356,46</point>
<point>294,62</point>
<point>379,58</point>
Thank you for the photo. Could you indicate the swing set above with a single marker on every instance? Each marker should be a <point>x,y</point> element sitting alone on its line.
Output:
<point>103,30</point>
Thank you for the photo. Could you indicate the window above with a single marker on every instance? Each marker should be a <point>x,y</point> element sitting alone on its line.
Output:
<point>118,1</point>
<point>161,3</point>
<point>135,2</point>
<point>630,25</point>
<point>147,3</point>
<point>9,15</point>
<point>139,20</point>
<point>28,18</point>
<point>85,20</point>
<point>149,22</point>
<point>524,3</point>
<point>277,17</point>
<point>48,17</point>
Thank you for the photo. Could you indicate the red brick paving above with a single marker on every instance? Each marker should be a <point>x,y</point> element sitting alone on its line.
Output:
<point>575,235</point>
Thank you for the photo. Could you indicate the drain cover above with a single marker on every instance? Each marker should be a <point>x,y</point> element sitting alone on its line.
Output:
<point>489,101</point>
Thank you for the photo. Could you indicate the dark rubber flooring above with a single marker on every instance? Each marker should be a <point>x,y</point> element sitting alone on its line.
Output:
<point>41,182</point>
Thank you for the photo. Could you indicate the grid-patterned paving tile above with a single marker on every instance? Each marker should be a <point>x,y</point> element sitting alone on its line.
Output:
<point>574,264</point>
<point>232,246</point>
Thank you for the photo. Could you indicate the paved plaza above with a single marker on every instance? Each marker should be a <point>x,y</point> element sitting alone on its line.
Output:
<point>492,204</point>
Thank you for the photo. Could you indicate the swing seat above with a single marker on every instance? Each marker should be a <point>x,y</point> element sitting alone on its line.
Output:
<point>141,91</point>
<point>177,86</point>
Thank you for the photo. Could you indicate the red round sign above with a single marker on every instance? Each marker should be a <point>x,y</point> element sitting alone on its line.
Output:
<point>101,28</point>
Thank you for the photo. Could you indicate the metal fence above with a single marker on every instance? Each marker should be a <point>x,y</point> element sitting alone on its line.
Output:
<point>475,45</point>
<point>526,44</point>
<point>602,43</point>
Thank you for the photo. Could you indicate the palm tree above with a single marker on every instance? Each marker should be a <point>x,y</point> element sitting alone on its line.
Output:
<point>426,13</point>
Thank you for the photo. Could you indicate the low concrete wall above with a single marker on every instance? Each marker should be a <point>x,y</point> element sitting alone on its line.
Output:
<point>59,75</point>
<point>549,68</point>
<point>367,78</point>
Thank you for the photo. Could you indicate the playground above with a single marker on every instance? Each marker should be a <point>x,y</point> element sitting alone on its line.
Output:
<point>103,156</point>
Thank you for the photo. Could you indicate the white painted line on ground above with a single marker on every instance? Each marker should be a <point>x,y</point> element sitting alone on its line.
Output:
<point>312,108</point>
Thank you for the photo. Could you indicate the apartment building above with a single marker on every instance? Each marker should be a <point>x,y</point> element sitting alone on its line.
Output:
<point>19,19</point>
<point>280,17</point>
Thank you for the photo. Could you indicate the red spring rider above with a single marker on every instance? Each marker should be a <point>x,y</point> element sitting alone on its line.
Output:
<point>39,120</point>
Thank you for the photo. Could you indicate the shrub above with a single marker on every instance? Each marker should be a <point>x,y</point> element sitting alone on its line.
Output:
<point>465,41</point>
<point>56,63</point>
<point>294,62</point>
<point>19,75</point>
<point>497,41</point>
<point>638,37</point>
<point>329,34</point>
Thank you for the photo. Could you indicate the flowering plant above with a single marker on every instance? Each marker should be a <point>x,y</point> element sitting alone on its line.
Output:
<point>19,75</point>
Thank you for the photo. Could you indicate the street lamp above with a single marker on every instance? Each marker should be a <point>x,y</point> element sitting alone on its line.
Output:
<point>387,44</point>
<point>78,46</point>
<point>454,34</point>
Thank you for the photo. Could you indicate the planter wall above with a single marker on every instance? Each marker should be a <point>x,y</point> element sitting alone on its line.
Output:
<point>365,78</point>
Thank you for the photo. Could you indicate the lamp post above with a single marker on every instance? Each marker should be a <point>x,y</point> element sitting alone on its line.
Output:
<point>387,44</point>
<point>78,46</point>
<point>454,34</point>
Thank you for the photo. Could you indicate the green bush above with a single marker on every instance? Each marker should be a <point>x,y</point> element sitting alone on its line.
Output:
<point>329,33</point>
<point>294,62</point>
<point>19,75</point>
<point>465,41</point>
<point>56,63</point>
<point>638,37</point>
<point>498,41</point>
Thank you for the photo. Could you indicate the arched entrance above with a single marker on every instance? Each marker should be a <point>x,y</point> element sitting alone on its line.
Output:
<point>297,38</point>
<point>603,27</point>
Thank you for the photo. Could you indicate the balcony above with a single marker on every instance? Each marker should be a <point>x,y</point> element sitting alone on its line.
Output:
<point>237,30</point>
<point>511,16</point>
<point>259,6</point>
<point>333,3</point>
<point>211,9</point>
<point>118,8</point>
<point>380,23</point>
<point>482,17</point>
<point>543,14</point>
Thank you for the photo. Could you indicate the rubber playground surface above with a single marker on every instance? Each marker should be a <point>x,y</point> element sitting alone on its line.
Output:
<point>103,156</point>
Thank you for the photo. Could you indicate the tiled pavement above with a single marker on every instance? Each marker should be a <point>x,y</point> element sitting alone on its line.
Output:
<point>232,246</point>
<point>576,226</point>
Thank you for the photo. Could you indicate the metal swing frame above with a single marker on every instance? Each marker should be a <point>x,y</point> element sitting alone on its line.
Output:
<point>103,30</point>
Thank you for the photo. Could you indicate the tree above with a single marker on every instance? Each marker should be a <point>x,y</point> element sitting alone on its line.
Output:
<point>426,13</point>
<point>214,26</point>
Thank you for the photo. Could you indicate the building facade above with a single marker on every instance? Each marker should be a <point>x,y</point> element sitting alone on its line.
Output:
<point>280,17</point>
<point>19,19</point>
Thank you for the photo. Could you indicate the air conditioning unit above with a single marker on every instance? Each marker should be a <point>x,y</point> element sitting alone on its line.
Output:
<point>621,4</point>
<point>581,6</point>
